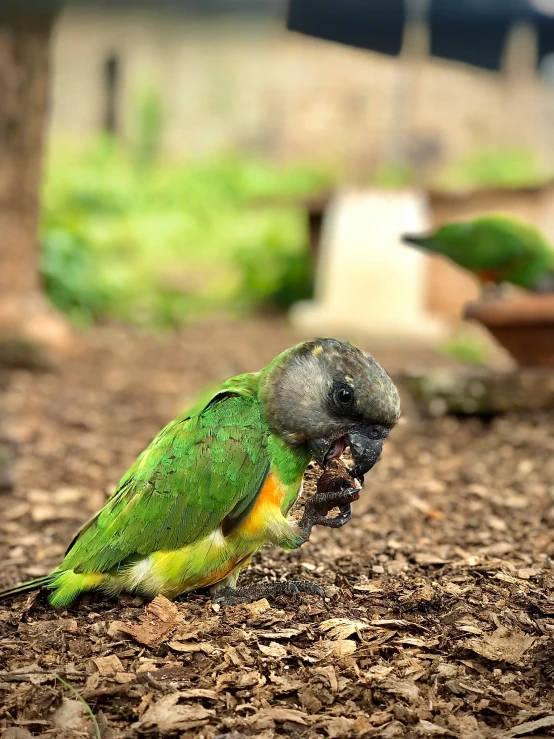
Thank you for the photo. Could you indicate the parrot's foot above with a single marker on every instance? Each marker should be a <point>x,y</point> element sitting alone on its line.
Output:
<point>235,596</point>
<point>319,505</point>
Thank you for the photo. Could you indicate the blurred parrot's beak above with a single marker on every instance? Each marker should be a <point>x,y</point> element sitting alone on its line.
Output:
<point>414,239</point>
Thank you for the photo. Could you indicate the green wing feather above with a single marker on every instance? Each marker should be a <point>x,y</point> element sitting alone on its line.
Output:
<point>200,469</point>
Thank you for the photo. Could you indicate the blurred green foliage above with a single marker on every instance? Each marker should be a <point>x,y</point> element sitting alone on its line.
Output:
<point>510,168</point>
<point>149,125</point>
<point>392,176</point>
<point>156,243</point>
<point>467,349</point>
<point>481,168</point>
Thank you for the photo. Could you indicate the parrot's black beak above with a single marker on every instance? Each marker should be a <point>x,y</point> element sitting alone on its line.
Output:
<point>365,442</point>
<point>414,239</point>
<point>324,450</point>
<point>366,445</point>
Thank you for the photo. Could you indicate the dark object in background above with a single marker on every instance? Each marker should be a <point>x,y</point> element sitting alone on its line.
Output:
<point>111,87</point>
<point>316,208</point>
<point>476,31</point>
<point>197,7</point>
<point>376,25</point>
<point>469,31</point>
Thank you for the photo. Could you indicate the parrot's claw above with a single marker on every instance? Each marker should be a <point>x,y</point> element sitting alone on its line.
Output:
<point>319,505</point>
<point>335,522</point>
<point>237,596</point>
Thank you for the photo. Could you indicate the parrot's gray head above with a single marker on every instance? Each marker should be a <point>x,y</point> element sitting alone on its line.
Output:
<point>329,395</point>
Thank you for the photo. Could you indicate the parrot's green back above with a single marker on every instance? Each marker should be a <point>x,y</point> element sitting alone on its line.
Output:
<point>496,248</point>
<point>188,512</point>
<point>216,449</point>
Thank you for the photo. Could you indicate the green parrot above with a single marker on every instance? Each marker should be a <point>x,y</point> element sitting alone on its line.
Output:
<point>496,248</point>
<point>217,484</point>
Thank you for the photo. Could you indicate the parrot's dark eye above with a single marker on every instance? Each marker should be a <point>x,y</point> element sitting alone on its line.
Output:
<point>343,396</point>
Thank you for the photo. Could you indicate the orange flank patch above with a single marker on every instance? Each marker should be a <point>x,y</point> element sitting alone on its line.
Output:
<point>232,565</point>
<point>268,505</point>
<point>487,275</point>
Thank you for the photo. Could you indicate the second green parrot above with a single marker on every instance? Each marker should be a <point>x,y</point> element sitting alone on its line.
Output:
<point>218,483</point>
<point>496,248</point>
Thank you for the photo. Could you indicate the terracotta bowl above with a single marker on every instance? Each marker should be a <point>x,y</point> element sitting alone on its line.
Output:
<point>523,326</point>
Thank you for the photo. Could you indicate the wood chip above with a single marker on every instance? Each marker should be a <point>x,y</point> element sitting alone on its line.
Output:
<point>166,716</point>
<point>503,645</point>
<point>108,665</point>
<point>159,621</point>
<point>529,727</point>
<point>273,650</point>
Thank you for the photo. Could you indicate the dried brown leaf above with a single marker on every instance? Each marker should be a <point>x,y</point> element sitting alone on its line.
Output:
<point>273,650</point>
<point>166,716</point>
<point>428,728</point>
<point>108,665</point>
<point>362,725</point>
<point>125,677</point>
<point>405,688</point>
<point>257,608</point>
<point>503,645</point>
<point>190,647</point>
<point>344,647</point>
<point>529,727</point>
<point>201,693</point>
<point>71,714</point>
<point>266,717</point>
<point>159,620</point>
<point>281,634</point>
<point>342,628</point>
<point>338,727</point>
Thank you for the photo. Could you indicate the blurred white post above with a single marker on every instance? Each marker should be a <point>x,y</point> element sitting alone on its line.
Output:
<point>367,282</point>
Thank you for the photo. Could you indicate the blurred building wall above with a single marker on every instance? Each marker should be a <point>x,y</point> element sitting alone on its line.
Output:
<point>245,82</point>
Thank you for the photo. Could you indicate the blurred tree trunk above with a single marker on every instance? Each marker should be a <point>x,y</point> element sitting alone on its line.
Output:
<point>24,83</point>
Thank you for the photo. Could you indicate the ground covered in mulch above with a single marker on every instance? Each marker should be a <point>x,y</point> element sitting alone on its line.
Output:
<point>441,613</point>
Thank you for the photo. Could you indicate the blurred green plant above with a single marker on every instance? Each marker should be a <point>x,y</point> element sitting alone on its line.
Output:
<point>393,176</point>
<point>163,245</point>
<point>510,168</point>
<point>149,125</point>
<point>278,275</point>
<point>467,349</point>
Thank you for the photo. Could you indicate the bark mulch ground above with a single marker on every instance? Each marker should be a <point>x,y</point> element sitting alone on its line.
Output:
<point>441,613</point>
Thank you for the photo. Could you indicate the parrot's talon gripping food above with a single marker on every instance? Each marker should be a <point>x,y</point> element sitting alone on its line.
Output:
<point>218,483</point>
<point>336,488</point>
<point>319,505</point>
<point>238,596</point>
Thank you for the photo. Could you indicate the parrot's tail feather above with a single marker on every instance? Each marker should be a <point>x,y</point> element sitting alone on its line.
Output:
<point>68,585</point>
<point>24,587</point>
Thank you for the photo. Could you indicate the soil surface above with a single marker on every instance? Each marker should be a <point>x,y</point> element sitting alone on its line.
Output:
<point>440,620</point>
